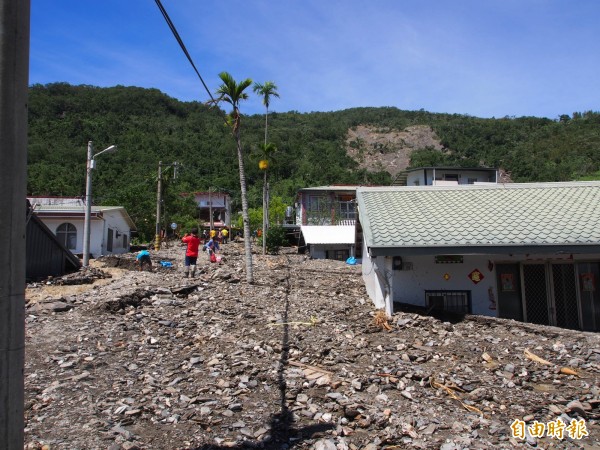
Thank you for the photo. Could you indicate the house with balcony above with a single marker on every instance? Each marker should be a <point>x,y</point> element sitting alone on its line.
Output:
<point>214,209</point>
<point>327,218</point>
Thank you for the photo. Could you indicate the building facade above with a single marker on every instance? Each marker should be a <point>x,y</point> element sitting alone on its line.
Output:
<point>529,252</point>
<point>110,227</point>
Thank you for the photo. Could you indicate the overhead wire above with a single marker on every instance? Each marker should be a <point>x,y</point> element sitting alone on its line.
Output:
<point>182,45</point>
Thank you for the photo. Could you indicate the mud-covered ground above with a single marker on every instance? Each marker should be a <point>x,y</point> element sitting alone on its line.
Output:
<point>123,359</point>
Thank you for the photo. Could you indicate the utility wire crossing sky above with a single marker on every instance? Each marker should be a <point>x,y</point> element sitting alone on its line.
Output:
<point>492,58</point>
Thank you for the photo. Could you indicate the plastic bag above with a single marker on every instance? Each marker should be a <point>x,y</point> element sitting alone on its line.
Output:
<point>213,258</point>
<point>351,261</point>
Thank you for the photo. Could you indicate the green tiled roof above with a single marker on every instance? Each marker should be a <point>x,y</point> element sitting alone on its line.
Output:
<point>492,218</point>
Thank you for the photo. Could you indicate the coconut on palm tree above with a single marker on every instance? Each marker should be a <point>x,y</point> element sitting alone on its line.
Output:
<point>233,93</point>
<point>266,90</point>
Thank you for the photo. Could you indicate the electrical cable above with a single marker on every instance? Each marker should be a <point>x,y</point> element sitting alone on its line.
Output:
<point>182,45</point>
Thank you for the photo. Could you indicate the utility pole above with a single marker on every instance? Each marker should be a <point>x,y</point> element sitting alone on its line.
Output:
<point>210,211</point>
<point>158,202</point>
<point>14,81</point>
<point>88,204</point>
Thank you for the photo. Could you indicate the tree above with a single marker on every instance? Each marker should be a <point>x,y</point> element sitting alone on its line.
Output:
<point>266,90</point>
<point>233,93</point>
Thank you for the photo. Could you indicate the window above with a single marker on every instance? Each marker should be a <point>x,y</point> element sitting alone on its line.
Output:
<point>125,241</point>
<point>317,203</point>
<point>318,210</point>
<point>66,233</point>
<point>451,301</point>
<point>347,211</point>
<point>451,177</point>
<point>109,241</point>
<point>340,255</point>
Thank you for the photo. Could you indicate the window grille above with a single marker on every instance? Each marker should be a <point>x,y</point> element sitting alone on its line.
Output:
<point>451,301</point>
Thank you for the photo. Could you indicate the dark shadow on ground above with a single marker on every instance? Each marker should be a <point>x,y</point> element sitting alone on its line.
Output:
<point>283,432</point>
<point>444,316</point>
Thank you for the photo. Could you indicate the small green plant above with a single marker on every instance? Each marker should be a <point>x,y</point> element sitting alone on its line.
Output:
<point>276,238</point>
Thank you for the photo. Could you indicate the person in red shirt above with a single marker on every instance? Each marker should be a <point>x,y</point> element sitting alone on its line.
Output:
<point>191,254</point>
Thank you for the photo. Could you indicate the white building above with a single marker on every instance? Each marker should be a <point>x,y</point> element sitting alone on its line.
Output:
<point>110,226</point>
<point>448,176</point>
<point>529,252</point>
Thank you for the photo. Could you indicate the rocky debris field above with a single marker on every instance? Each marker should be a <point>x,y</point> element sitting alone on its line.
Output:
<point>298,360</point>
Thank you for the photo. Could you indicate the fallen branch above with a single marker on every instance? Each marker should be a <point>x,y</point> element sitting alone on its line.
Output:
<point>381,320</point>
<point>563,370</point>
<point>536,358</point>
<point>450,391</point>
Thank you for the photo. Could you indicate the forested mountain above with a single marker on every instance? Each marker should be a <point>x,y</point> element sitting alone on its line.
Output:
<point>313,148</point>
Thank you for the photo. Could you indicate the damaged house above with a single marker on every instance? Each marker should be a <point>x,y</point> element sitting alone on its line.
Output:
<point>529,252</point>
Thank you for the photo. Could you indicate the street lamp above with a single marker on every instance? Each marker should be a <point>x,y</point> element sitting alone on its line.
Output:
<point>91,164</point>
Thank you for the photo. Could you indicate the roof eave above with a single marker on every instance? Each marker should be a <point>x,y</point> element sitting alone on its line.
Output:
<point>485,250</point>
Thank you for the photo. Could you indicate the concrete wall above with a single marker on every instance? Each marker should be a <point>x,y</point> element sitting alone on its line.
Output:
<point>373,272</point>
<point>409,285</point>
<point>319,251</point>
<point>98,233</point>
<point>421,273</point>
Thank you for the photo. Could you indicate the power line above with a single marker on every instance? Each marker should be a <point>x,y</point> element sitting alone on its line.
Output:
<point>182,45</point>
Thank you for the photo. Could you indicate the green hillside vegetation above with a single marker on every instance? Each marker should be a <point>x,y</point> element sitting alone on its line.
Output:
<point>148,127</point>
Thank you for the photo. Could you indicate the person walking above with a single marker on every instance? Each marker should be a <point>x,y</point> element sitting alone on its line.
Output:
<point>191,253</point>
<point>225,234</point>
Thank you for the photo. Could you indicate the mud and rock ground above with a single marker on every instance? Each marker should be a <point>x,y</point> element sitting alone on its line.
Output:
<point>121,359</point>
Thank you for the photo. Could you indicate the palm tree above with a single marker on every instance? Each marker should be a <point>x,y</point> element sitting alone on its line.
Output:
<point>266,90</point>
<point>233,93</point>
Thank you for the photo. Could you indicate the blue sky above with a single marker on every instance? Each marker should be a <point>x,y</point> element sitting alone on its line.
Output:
<point>485,58</point>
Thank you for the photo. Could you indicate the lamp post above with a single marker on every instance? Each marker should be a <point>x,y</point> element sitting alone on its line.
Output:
<point>91,164</point>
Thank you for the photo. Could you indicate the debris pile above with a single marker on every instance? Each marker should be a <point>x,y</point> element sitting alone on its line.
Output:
<point>299,359</point>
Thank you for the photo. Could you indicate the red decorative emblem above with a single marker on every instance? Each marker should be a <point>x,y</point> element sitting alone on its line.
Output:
<point>476,276</point>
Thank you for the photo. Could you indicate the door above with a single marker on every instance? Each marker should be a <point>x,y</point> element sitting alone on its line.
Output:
<point>508,279</point>
<point>550,294</point>
<point>566,311</point>
<point>535,292</point>
<point>589,274</point>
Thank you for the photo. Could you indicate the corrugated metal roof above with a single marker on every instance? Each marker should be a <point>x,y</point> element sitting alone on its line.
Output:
<point>328,234</point>
<point>45,255</point>
<point>527,216</point>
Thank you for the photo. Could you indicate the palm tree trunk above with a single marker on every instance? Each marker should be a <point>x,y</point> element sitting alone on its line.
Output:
<point>265,203</point>
<point>265,211</point>
<point>266,125</point>
<point>245,216</point>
